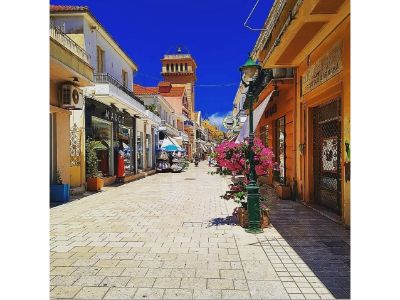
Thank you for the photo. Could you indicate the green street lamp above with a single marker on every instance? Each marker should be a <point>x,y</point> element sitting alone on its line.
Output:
<point>250,72</point>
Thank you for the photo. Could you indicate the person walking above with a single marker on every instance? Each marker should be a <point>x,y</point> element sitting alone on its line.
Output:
<point>209,160</point>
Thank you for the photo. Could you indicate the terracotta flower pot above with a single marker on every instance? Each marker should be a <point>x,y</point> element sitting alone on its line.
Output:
<point>94,184</point>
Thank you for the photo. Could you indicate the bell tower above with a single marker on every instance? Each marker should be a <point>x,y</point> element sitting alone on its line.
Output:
<point>179,68</point>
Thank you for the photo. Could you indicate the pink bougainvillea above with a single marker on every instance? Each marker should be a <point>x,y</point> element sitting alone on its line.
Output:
<point>234,157</point>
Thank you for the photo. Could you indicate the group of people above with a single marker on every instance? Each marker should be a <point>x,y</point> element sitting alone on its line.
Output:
<point>196,159</point>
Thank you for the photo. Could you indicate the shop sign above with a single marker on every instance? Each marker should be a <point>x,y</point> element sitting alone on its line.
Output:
<point>323,69</point>
<point>229,122</point>
<point>113,116</point>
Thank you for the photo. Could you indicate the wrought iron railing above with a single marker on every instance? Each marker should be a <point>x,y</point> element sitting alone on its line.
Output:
<point>58,35</point>
<point>107,78</point>
<point>269,38</point>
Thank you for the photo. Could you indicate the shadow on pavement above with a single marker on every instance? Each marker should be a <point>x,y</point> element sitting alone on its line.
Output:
<point>230,220</point>
<point>321,243</point>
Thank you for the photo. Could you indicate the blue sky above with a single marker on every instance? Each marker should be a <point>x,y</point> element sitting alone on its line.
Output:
<point>212,30</point>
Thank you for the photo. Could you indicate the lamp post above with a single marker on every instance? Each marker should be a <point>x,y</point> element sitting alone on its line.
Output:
<point>250,74</point>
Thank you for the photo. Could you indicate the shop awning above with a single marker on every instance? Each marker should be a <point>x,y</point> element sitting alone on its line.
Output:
<point>257,114</point>
<point>171,144</point>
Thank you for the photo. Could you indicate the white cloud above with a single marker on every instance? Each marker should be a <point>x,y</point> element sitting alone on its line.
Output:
<point>217,118</point>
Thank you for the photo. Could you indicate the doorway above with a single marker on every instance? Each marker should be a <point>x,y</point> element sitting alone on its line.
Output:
<point>326,156</point>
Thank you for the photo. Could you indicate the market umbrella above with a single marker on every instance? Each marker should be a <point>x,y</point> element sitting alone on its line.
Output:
<point>170,148</point>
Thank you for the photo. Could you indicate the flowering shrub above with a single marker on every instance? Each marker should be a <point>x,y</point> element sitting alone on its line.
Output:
<point>234,157</point>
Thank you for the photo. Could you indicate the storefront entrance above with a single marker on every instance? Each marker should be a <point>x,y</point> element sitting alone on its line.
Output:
<point>327,165</point>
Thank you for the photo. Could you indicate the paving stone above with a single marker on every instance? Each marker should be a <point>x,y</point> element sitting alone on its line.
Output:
<point>107,263</point>
<point>115,281</point>
<point>141,282</point>
<point>220,284</point>
<point>297,296</point>
<point>267,290</point>
<point>64,292</point>
<point>235,294</point>
<point>148,293</point>
<point>158,272</point>
<point>62,270</point>
<point>89,280</point>
<point>207,294</point>
<point>91,293</point>
<point>111,271</point>
<point>259,270</point>
<point>120,293</point>
<point>232,274</point>
<point>178,294</point>
<point>64,280</point>
<point>167,283</point>
<point>240,284</point>
<point>183,273</point>
<point>86,271</point>
<point>194,283</point>
<point>208,273</point>
<point>63,262</point>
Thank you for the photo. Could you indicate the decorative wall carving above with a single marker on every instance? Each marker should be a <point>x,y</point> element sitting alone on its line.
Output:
<point>323,69</point>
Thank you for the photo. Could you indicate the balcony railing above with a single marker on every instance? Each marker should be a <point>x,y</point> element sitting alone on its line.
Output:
<point>107,78</point>
<point>58,35</point>
<point>279,18</point>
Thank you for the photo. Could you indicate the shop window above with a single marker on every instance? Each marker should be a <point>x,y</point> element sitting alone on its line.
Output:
<point>139,141</point>
<point>100,60</point>
<point>125,144</point>
<point>147,146</point>
<point>281,148</point>
<point>102,131</point>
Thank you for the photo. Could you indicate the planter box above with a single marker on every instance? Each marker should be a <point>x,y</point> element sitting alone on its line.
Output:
<point>243,217</point>
<point>283,191</point>
<point>59,192</point>
<point>265,220</point>
<point>262,180</point>
<point>95,184</point>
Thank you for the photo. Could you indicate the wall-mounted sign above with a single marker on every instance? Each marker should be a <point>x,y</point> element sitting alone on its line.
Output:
<point>113,116</point>
<point>229,122</point>
<point>323,69</point>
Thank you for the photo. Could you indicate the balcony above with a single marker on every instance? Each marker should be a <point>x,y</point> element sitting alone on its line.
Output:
<point>63,39</point>
<point>171,130</point>
<point>153,117</point>
<point>294,27</point>
<point>107,78</point>
<point>184,136</point>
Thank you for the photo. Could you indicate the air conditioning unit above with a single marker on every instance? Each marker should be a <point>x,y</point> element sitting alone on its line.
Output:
<point>71,97</point>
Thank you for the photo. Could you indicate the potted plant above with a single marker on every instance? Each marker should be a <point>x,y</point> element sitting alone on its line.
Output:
<point>59,192</point>
<point>94,181</point>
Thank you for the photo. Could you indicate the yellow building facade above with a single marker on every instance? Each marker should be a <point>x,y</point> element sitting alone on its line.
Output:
<point>69,66</point>
<point>313,37</point>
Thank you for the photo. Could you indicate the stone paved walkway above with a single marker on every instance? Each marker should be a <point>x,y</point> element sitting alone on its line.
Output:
<point>170,236</point>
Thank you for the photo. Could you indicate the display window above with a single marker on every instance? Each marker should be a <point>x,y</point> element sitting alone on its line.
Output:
<point>102,131</point>
<point>281,148</point>
<point>148,156</point>
<point>124,138</point>
<point>139,143</point>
